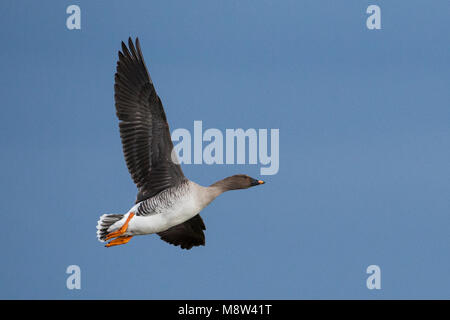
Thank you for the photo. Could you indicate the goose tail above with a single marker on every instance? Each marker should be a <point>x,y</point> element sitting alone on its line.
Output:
<point>104,223</point>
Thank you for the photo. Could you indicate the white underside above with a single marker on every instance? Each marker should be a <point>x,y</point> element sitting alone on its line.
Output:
<point>182,210</point>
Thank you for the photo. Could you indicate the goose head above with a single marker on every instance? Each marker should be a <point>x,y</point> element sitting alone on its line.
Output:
<point>238,181</point>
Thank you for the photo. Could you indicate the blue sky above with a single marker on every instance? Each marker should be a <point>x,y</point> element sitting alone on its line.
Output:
<point>364,148</point>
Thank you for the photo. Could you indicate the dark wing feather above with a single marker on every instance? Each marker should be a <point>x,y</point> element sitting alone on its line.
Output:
<point>145,134</point>
<point>187,234</point>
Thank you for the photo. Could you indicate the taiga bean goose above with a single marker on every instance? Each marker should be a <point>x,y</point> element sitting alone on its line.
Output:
<point>167,203</point>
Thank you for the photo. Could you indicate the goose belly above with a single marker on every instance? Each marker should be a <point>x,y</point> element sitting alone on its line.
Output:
<point>180,211</point>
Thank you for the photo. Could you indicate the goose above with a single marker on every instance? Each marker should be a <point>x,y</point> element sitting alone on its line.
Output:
<point>167,203</point>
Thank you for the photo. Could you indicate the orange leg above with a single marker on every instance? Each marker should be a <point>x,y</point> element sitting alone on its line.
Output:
<point>118,241</point>
<point>122,229</point>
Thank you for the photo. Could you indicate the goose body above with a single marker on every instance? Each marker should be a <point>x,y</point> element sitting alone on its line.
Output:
<point>169,208</point>
<point>167,203</point>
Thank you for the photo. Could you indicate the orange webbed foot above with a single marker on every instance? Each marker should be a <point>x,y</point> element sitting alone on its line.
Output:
<point>121,230</point>
<point>118,241</point>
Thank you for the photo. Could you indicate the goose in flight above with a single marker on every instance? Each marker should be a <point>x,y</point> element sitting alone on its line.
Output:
<point>167,203</point>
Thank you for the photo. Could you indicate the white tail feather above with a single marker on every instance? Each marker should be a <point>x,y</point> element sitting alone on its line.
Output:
<point>104,223</point>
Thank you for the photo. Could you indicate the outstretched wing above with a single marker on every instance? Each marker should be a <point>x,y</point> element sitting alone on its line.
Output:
<point>144,130</point>
<point>187,234</point>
